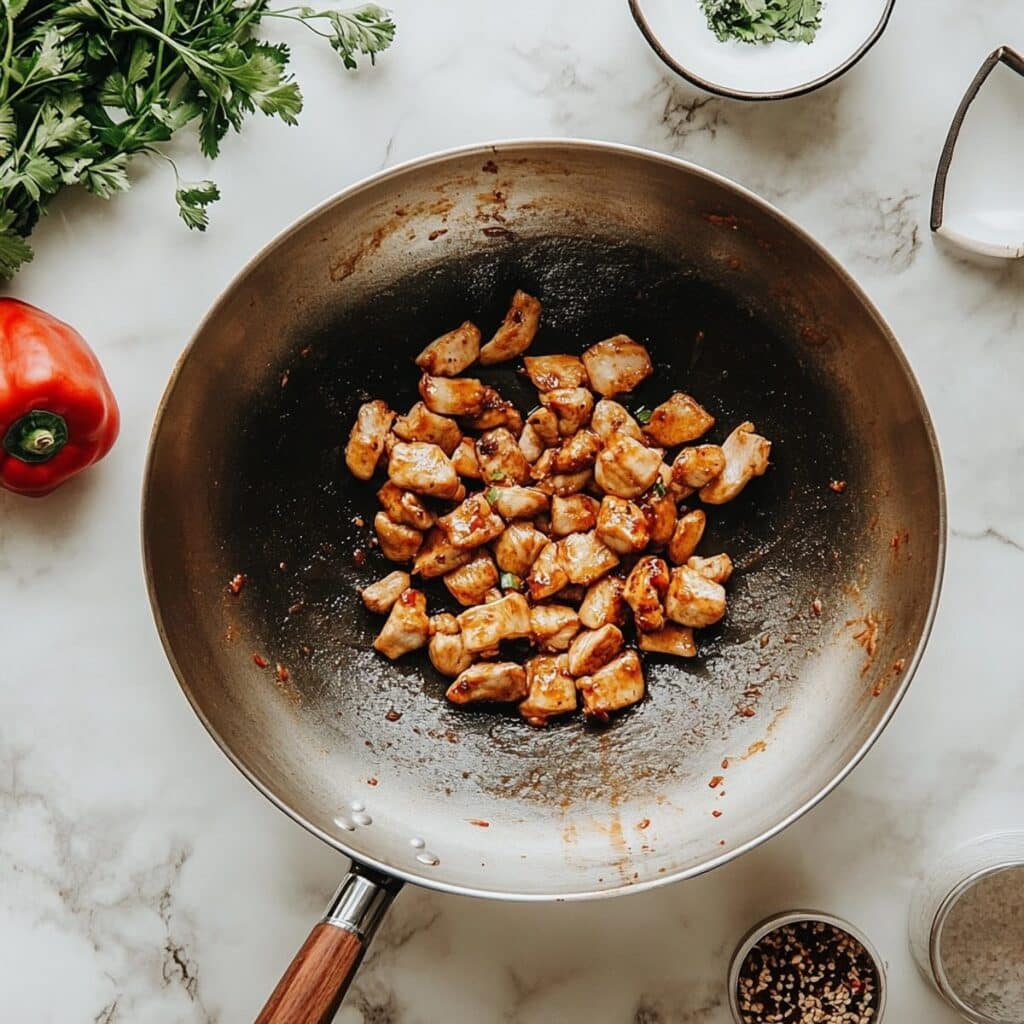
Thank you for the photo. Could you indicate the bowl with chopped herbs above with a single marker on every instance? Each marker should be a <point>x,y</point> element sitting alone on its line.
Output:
<point>761,49</point>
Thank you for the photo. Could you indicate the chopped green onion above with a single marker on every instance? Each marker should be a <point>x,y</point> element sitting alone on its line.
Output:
<point>498,475</point>
<point>659,489</point>
<point>643,415</point>
<point>491,495</point>
<point>510,581</point>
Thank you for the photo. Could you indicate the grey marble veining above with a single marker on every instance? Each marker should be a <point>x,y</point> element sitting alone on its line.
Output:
<point>142,880</point>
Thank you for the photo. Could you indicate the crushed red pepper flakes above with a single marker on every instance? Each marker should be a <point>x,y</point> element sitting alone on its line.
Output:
<point>816,607</point>
<point>372,781</point>
<point>716,782</point>
<point>359,521</point>
<point>281,673</point>
<point>716,814</point>
<point>725,763</point>
<point>359,556</point>
<point>643,823</point>
<point>746,712</point>
<point>260,661</point>
<point>238,581</point>
<point>838,486</point>
<point>393,715</point>
<point>479,823</point>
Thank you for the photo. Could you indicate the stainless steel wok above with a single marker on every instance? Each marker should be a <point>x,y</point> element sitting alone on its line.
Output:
<point>839,549</point>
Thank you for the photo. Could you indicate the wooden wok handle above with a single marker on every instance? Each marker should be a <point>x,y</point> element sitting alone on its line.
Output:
<point>313,986</point>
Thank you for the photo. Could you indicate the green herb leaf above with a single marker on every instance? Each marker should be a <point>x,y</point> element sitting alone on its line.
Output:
<point>491,495</point>
<point>498,475</point>
<point>510,581</point>
<point>659,489</point>
<point>14,250</point>
<point>193,198</point>
<point>763,21</point>
<point>643,415</point>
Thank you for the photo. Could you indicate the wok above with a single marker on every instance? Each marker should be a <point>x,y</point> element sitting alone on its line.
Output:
<point>839,548</point>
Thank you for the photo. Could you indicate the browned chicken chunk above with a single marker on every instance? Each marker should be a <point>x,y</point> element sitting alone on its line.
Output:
<point>695,467</point>
<point>450,354</point>
<point>549,373</point>
<point>622,526</point>
<point>423,468</point>
<point>552,691</point>
<point>517,330</point>
<point>405,507</point>
<point>584,558</point>
<point>407,628</point>
<point>564,484</point>
<point>617,364</point>
<point>447,652</point>
<point>457,396</point>
<point>626,468</point>
<point>547,576</point>
<point>645,589</point>
<point>380,596</point>
<point>489,680</point>
<point>553,626</point>
<point>366,442</point>
<point>578,452</point>
<point>499,413</point>
<point>594,648</point>
<point>398,543</point>
<point>717,567</point>
<point>613,687</point>
<point>545,424</point>
<point>686,536</point>
<point>611,418</point>
<point>465,461</point>
<point>487,625</point>
<point>529,444</point>
<point>517,548</point>
<point>670,639</point>
<point>472,523</point>
<point>518,502</point>
<point>471,583</point>
<point>604,604</point>
<point>678,420</point>
<point>693,599</point>
<point>501,459</point>
<point>746,456</point>
<point>659,508</point>
<point>420,424</point>
<point>437,556</point>
<point>571,406</point>
<point>573,513</point>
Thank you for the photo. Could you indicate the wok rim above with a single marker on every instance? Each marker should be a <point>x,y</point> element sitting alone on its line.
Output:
<point>486,150</point>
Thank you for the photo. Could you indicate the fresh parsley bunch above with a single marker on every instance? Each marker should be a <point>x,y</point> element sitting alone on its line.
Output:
<point>762,21</point>
<point>87,84</point>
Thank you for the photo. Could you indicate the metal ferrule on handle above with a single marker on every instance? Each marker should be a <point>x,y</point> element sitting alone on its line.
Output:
<point>359,904</point>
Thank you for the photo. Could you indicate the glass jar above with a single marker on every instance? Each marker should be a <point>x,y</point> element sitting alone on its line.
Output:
<point>967,928</point>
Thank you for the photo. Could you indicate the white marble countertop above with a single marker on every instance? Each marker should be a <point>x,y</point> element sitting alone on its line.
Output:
<point>143,880</point>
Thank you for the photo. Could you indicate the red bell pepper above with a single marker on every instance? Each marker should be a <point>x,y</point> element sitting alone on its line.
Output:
<point>57,412</point>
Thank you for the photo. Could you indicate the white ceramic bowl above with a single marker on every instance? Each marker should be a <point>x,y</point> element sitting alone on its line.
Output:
<point>678,32</point>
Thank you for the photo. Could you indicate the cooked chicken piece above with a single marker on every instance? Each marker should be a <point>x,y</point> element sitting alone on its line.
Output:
<point>529,444</point>
<point>693,599</point>
<point>611,418</point>
<point>678,420</point>
<point>420,424</point>
<point>695,467</point>
<point>686,536</point>
<point>472,523</point>
<point>572,408</point>
<point>552,690</point>
<point>578,452</point>
<point>626,468</point>
<point>465,461</point>
<point>545,425</point>
<point>398,543</point>
<point>622,526</point>
<point>549,373</point>
<point>471,583</point>
<point>450,354</point>
<point>670,639</point>
<point>517,548</point>
<point>564,484</point>
<point>645,589</point>
<point>518,502</point>
<point>604,604</point>
<point>659,508</point>
<point>746,456</point>
<point>457,396</point>
<point>617,364</point>
<point>594,648</point>
<point>717,567</point>
<point>499,414</point>
<point>407,628</point>
<point>553,626</point>
<point>423,468</point>
<point>438,556</point>
<point>405,507</point>
<point>501,459</point>
<point>489,680</point>
<point>613,687</point>
<point>517,330</point>
<point>584,558</point>
<point>447,652</point>
<point>573,513</point>
<point>486,625</point>
<point>547,576</point>
<point>366,441</point>
<point>380,596</point>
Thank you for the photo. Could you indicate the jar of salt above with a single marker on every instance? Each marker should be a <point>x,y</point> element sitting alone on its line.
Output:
<point>967,929</point>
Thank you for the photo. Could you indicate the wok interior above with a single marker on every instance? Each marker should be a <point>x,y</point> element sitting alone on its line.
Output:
<point>247,475</point>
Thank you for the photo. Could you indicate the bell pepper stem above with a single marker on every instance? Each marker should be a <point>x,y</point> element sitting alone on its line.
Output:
<point>37,436</point>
